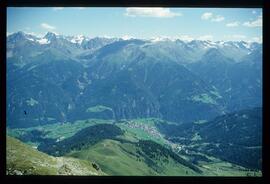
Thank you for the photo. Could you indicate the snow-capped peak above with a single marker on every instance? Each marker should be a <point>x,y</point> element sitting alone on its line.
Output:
<point>21,36</point>
<point>85,42</point>
<point>160,39</point>
<point>209,44</point>
<point>78,39</point>
<point>246,44</point>
<point>127,37</point>
<point>43,41</point>
<point>50,36</point>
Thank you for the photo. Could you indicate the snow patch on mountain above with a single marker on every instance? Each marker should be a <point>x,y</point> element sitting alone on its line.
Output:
<point>127,37</point>
<point>77,39</point>
<point>31,39</point>
<point>43,41</point>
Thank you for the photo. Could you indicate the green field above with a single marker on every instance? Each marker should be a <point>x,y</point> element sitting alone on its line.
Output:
<point>59,130</point>
<point>221,168</point>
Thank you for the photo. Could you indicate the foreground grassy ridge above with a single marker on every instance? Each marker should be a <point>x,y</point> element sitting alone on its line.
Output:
<point>24,160</point>
<point>116,158</point>
<point>112,159</point>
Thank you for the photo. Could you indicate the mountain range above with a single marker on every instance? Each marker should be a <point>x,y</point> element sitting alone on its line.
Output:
<point>58,78</point>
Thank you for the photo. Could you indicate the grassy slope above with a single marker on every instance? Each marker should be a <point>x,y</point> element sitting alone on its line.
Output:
<point>221,168</point>
<point>111,159</point>
<point>22,159</point>
<point>117,158</point>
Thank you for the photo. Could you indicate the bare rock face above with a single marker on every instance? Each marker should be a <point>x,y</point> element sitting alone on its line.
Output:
<point>24,160</point>
<point>96,166</point>
<point>64,170</point>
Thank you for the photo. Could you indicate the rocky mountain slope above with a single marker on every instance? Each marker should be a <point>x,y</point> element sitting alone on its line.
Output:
<point>24,160</point>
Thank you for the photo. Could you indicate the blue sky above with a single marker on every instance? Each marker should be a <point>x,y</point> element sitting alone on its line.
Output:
<point>185,23</point>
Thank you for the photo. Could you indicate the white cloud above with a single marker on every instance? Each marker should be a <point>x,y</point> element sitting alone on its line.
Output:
<point>185,37</point>
<point>173,38</point>
<point>217,18</point>
<point>254,12</point>
<point>255,23</point>
<point>105,36</point>
<point>257,39</point>
<point>235,37</point>
<point>212,17</point>
<point>238,36</point>
<point>151,12</point>
<point>205,37</point>
<point>161,38</point>
<point>58,8</point>
<point>233,24</point>
<point>47,26</point>
<point>206,16</point>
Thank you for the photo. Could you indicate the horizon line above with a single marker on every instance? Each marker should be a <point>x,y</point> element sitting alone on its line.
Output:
<point>128,37</point>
